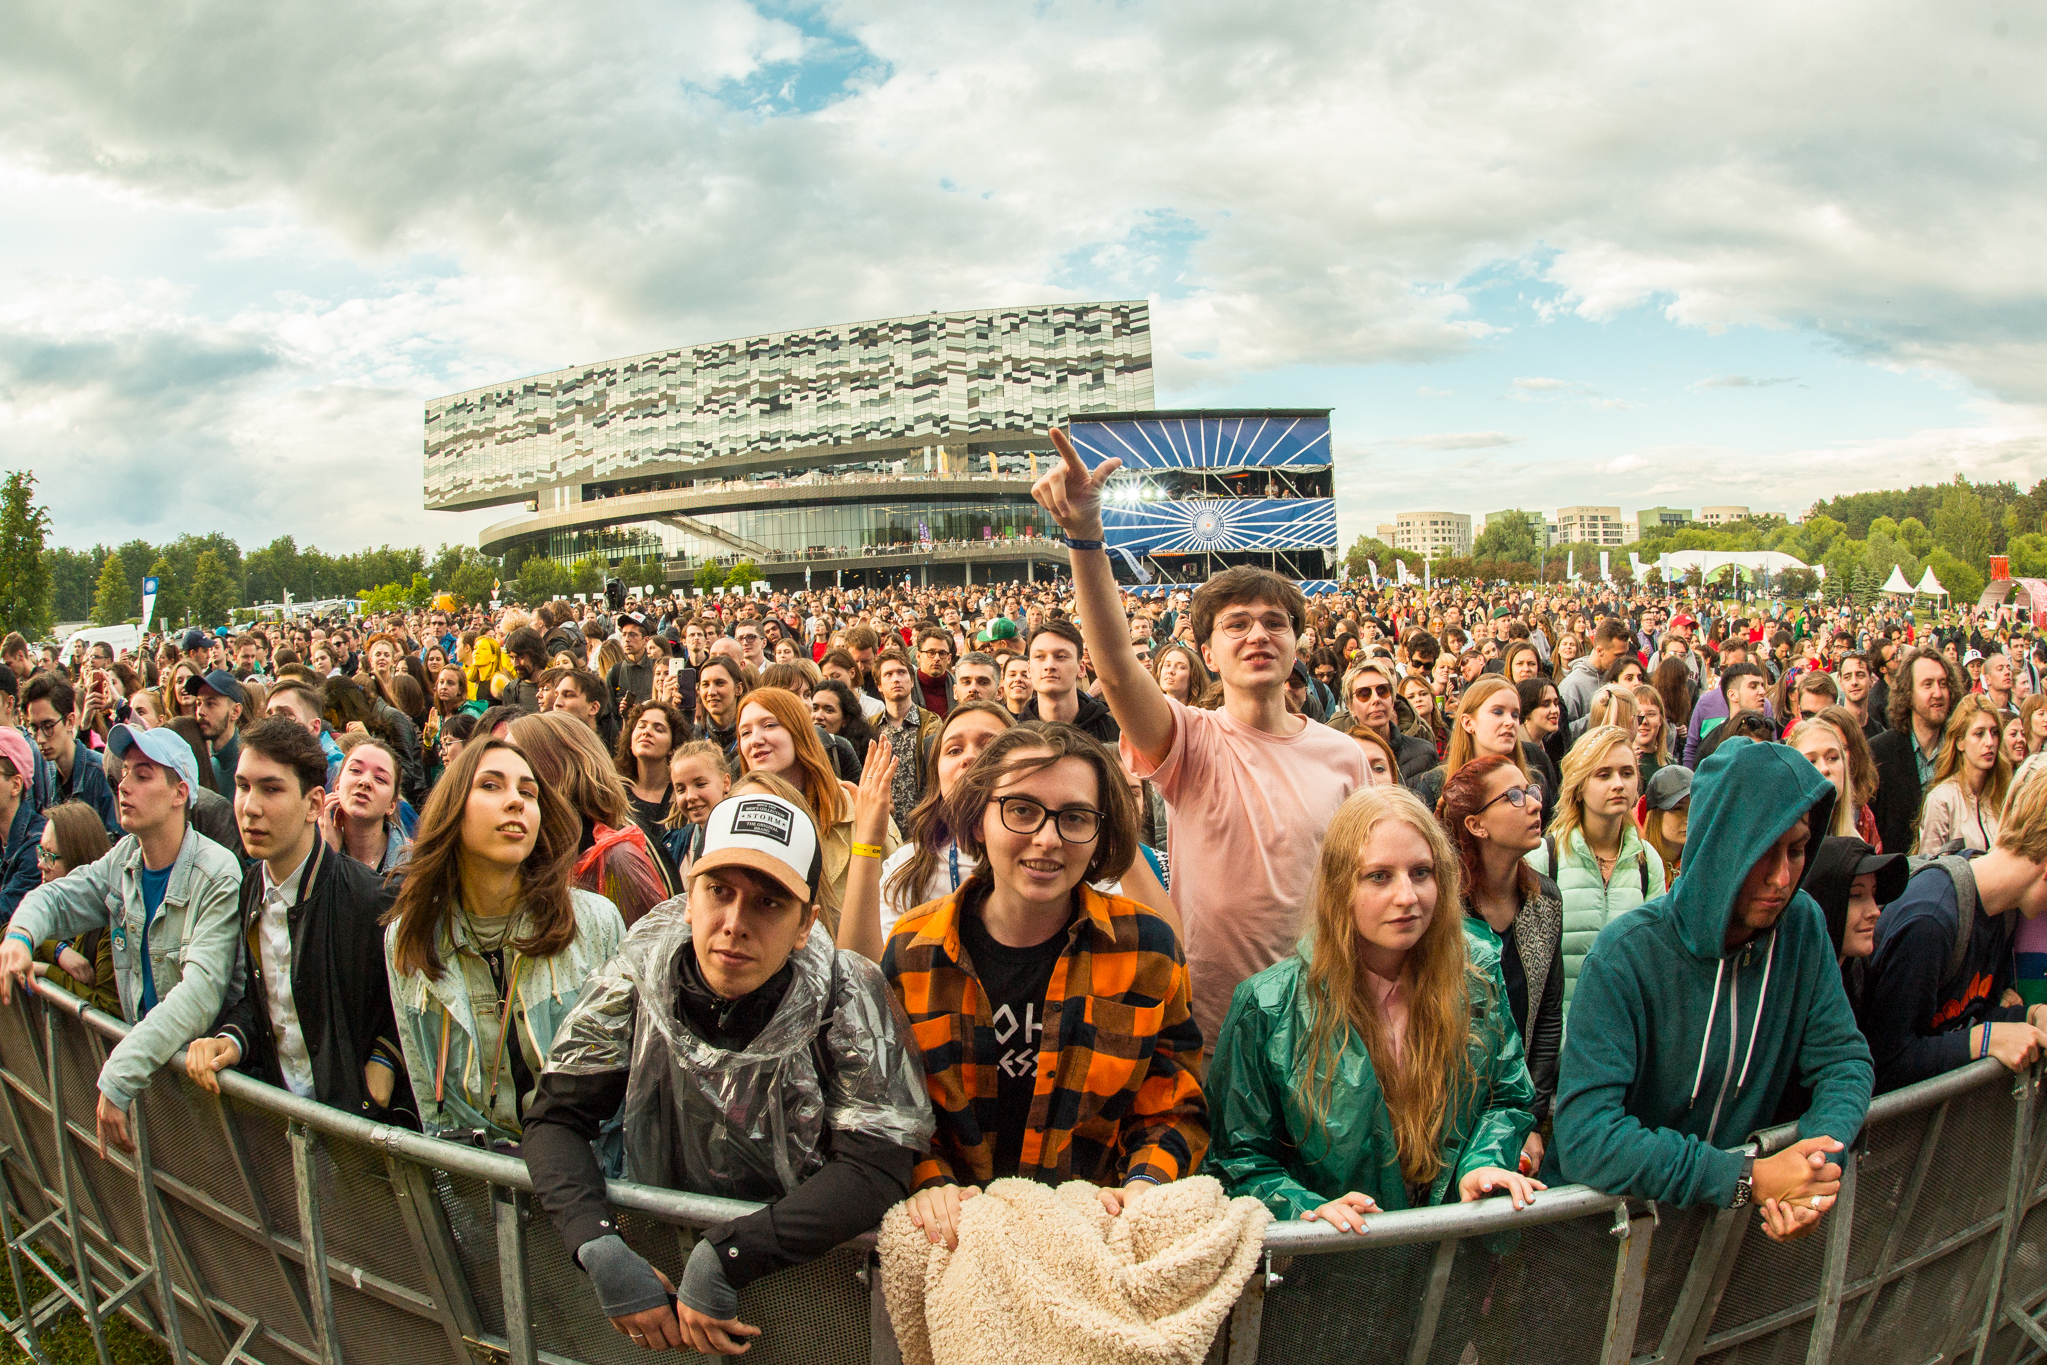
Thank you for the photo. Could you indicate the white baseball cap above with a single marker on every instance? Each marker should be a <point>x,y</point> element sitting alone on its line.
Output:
<point>763,833</point>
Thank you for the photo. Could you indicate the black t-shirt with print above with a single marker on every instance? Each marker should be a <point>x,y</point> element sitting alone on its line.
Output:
<point>1015,981</point>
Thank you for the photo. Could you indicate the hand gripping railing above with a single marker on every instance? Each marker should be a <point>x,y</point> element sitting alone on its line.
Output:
<point>259,1226</point>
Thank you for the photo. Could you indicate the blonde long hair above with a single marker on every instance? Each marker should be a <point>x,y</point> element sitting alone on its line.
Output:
<point>1434,1066</point>
<point>1462,747</point>
<point>1579,764</point>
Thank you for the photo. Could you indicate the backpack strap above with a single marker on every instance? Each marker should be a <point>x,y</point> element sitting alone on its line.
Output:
<point>1645,872</point>
<point>1549,841</point>
<point>1964,878</point>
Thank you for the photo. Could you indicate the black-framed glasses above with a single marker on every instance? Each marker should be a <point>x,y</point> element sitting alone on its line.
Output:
<point>1518,797</point>
<point>43,729</point>
<point>45,857</point>
<point>1076,824</point>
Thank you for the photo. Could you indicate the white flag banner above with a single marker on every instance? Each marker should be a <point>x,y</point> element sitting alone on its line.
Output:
<point>149,587</point>
<point>1635,563</point>
<point>1373,565</point>
<point>1605,567</point>
<point>1571,565</point>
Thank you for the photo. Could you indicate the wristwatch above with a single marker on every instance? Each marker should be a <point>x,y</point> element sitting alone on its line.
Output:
<point>1745,1188</point>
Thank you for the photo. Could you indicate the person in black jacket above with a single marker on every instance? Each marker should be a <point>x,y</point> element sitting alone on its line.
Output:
<point>316,1016</point>
<point>1370,694</point>
<point>1935,991</point>
<point>1054,651</point>
<point>1928,687</point>
<point>745,1057</point>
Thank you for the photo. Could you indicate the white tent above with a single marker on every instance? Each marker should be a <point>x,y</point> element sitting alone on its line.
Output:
<point>1929,586</point>
<point>1677,563</point>
<point>1896,582</point>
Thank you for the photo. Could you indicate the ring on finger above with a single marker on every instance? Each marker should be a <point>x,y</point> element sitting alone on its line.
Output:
<point>1816,1201</point>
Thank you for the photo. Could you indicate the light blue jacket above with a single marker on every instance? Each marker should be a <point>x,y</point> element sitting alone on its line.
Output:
<point>547,988</point>
<point>192,958</point>
<point>1590,904</point>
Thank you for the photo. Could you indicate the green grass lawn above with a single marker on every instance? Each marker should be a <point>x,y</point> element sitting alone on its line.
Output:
<point>65,1338</point>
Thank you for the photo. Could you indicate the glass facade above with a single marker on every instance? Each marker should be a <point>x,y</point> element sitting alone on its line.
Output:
<point>886,386</point>
<point>793,531</point>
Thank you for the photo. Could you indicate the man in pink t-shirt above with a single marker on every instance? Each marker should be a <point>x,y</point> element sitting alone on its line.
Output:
<point>1252,787</point>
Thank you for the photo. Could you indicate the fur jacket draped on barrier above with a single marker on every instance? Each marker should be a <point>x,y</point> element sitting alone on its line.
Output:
<point>1046,1275</point>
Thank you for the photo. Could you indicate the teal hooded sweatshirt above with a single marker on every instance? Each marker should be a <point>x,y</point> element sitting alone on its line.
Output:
<point>1678,1048</point>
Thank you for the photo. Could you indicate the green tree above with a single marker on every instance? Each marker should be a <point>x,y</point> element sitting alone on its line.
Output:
<point>112,600</point>
<point>743,575</point>
<point>212,597</point>
<point>170,604</point>
<point>588,574</point>
<point>471,582</point>
<point>1962,525</point>
<point>541,580</point>
<point>709,577</point>
<point>421,592</point>
<point>2028,555</point>
<point>1797,582</point>
<point>389,597</point>
<point>1509,537</point>
<point>73,574</point>
<point>24,577</point>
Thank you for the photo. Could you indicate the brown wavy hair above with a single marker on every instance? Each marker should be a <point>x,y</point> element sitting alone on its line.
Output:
<point>679,732</point>
<point>1027,748</point>
<point>928,828</point>
<point>1950,762</point>
<point>567,756</point>
<point>432,886</point>
<point>1434,1067</point>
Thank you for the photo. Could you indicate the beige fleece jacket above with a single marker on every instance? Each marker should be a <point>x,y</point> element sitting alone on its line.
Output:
<point>1045,1275</point>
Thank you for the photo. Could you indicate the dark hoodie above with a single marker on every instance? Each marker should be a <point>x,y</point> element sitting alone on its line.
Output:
<point>1669,1059</point>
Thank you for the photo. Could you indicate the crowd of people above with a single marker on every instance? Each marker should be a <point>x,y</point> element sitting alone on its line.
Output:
<point>837,900</point>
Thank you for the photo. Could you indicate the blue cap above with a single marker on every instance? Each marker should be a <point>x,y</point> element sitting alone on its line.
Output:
<point>195,638</point>
<point>159,746</point>
<point>219,680</point>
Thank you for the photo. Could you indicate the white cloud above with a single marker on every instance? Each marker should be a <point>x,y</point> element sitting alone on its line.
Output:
<point>1456,440</point>
<point>1741,381</point>
<point>467,192</point>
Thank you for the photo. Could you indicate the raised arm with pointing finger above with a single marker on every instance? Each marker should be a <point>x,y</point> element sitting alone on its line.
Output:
<point>1074,498</point>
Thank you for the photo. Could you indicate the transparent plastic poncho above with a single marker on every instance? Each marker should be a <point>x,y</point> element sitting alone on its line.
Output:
<point>747,1123</point>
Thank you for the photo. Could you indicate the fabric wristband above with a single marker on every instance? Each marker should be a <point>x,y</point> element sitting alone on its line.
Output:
<point>1985,1050</point>
<point>1073,544</point>
<point>867,850</point>
<point>16,933</point>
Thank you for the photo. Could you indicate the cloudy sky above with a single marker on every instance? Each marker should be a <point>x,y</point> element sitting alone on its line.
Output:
<point>1531,255</point>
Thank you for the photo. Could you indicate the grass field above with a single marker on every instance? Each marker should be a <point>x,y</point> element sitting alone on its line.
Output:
<point>65,1339</point>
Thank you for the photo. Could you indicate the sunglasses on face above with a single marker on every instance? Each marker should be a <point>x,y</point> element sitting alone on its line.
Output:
<point>1381,690</point>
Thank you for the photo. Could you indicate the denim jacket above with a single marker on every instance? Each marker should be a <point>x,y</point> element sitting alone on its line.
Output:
<point>547,992</point>
<point>20,873</point>
<point>192,960</point>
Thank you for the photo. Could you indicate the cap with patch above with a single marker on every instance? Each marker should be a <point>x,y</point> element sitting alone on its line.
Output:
<point>632,618</point>
<point>159,746</point>
<point>220,681</point>
<point>763,833</point>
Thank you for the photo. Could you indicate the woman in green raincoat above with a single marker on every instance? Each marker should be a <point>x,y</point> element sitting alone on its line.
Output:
<point>1378,1068</point>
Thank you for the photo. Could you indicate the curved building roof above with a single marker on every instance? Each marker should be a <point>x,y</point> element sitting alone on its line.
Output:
<point>985,379</point>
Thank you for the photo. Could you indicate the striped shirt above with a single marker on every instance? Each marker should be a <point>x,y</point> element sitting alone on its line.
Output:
<point>1118,1093</point>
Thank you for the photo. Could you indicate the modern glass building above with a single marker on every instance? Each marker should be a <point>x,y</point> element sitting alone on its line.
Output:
<point>876,449</point>
<point>860,447</point>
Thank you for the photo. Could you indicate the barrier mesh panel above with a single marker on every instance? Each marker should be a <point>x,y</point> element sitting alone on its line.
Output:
<point>263,1138</point>
<point>467,1205</point>
<point>187,1143</point>
<point>21,1043</point>
<point>245,1276</point>
<point>359,1213</point>
<point>1673,1246</point>
<point>812,1315</point>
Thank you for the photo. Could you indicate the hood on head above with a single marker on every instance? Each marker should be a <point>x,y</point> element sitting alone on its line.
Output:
<point>1743,799</point>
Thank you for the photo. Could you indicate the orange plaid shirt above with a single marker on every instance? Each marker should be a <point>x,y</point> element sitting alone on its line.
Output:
<point>1118,1095</point>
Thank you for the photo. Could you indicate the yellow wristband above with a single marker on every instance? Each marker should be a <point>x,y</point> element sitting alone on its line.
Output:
<point>867,850</point>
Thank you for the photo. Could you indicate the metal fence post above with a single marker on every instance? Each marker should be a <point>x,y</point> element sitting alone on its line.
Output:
<point>1834,1271</point>
<point>1630,1272</point>
<point>2014,1208</point>
<point>511,1208</point>
<point>1432,1305</point>
<point>313,1242</point>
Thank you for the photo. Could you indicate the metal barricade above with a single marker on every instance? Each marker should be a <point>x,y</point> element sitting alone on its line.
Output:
<point>257,1226</point>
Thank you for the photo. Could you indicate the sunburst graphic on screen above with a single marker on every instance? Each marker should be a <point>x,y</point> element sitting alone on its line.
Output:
<point>1201,526</point>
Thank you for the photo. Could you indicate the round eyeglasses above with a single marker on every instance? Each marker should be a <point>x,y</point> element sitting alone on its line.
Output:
<point>1076,824</point>
<point>1519,797</point>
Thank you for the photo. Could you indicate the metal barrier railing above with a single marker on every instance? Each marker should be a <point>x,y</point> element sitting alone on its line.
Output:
<point>257,1226</point>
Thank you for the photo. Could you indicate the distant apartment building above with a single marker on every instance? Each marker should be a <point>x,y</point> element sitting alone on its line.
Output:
<point>1589,526</point>
<point>1720,516</point>
<point>1435,534</point>
<point>1655,518</point>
